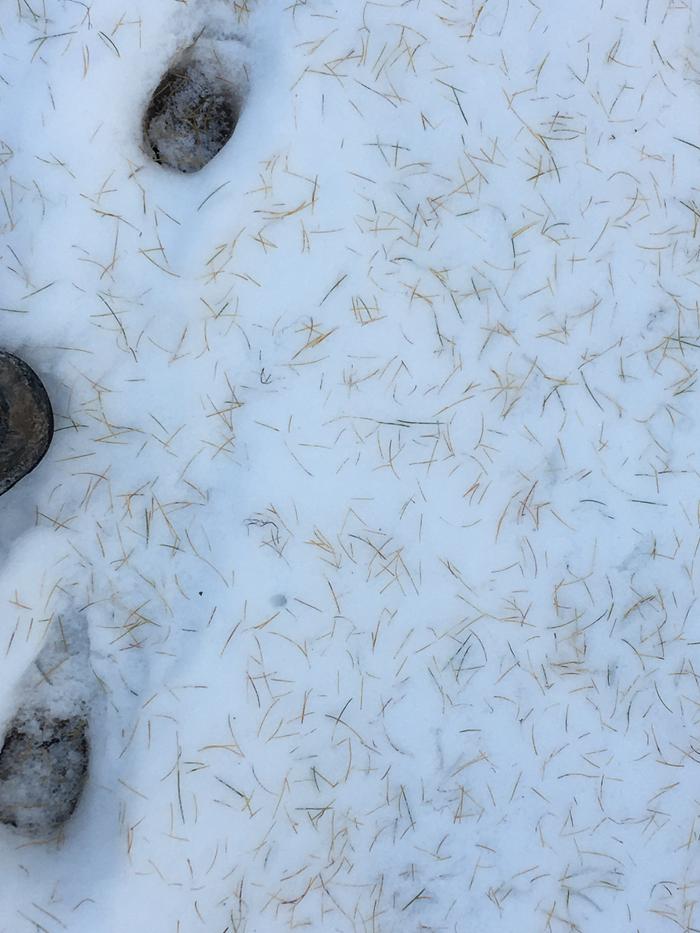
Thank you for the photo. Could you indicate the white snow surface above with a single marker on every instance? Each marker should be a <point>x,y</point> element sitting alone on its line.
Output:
<point>375,475</point>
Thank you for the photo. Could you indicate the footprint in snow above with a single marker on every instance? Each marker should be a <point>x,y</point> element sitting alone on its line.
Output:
<point>45,754</point>
<point>194,110</point>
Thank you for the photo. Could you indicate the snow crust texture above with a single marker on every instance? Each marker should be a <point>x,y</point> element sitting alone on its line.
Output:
<point>374,483</point>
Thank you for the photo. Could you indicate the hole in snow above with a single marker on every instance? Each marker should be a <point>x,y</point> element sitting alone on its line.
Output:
<point>26,420</point>
<point>45,754</point>
<point>43,767</point>
<point>194,110</point>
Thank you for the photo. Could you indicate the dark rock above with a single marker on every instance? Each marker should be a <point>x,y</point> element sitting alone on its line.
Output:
<point>26,420</point>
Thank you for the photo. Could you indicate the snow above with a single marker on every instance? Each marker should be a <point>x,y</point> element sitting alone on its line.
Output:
<point>374,476</point>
